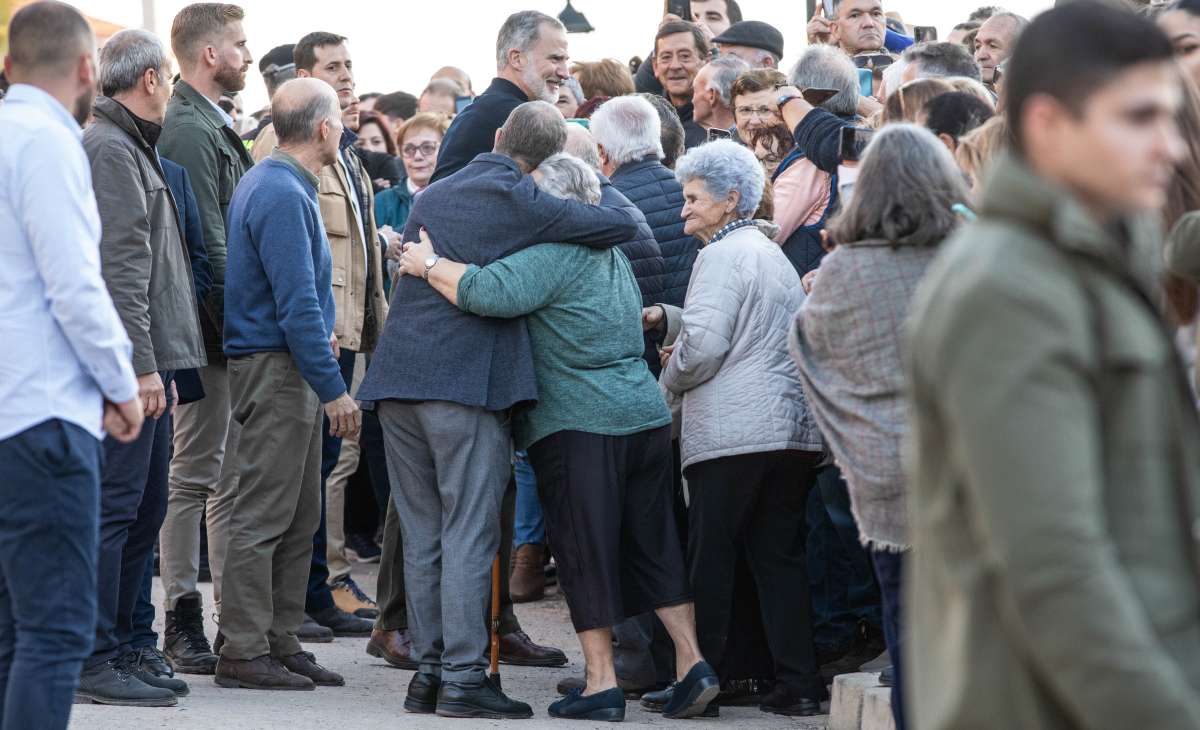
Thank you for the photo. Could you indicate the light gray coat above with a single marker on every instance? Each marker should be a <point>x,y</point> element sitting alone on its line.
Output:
<point>142,254</point>
<point>740,389</point>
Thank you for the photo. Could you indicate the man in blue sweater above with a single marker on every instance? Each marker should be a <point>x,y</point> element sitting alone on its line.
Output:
<point>279,316</point>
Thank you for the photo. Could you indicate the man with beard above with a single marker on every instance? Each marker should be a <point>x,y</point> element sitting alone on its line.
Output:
<point>680,51</point>
<point>531,62</point>
<point>210,47</point>
<point>73,380</point>
<point>347,210</point>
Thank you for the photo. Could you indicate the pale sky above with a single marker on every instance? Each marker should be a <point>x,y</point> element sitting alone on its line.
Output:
<point>397,45</point>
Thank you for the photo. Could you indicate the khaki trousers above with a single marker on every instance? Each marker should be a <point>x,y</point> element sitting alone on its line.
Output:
<point>335,491</point>
<point>203,484</point>
<point>277,508</point>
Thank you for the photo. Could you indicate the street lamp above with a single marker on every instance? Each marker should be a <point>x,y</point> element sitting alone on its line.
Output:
<point>574,21</point>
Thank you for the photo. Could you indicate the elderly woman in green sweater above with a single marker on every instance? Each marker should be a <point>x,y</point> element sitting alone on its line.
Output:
<point>599,440</point>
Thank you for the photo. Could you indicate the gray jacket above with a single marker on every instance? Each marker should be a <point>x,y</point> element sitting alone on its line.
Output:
<point>143,257</point>
<point>740,388</point>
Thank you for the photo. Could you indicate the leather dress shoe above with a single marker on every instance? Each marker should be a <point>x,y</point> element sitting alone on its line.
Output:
<point>261,672</point>
<point>310,632</point>
<point>693,693</point>
<point>422,695</point>
<point>149,665</point>
<point>479,699</point>
<point>342,623</point>
<point>303,663</point>
<point>656,701</point>
<point>394,647</point>
<point>607,706</point>
<point>789,701</point>
<point>519,650</point>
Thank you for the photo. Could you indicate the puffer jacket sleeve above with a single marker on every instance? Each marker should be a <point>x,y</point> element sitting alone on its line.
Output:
<point>710,314</point>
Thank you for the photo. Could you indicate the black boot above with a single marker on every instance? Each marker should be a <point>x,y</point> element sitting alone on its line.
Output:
<point>111,683</point>
<point>342,623</point>
<point>149,665</point>
<point>479,699</point>
<point>184,643</point>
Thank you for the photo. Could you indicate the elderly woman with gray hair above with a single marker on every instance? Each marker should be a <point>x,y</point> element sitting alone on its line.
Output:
<point>750,448</point>
<point>599,440</point>
<point>847,337</point>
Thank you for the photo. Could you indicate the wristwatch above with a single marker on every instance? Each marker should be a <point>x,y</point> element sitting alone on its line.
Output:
<point>784,99</point>
<point>429,264</point>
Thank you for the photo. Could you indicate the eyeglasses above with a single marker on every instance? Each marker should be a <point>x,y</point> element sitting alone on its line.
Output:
<point>427,149</point>
<point>762,112</point>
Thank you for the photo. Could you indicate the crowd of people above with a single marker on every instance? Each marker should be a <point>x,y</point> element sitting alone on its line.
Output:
<point>882,363</point>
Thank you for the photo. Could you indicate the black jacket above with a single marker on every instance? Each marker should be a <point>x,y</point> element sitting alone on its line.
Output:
<point>473,132</point>
<point>655,191</point>
<point>381,166</point>
<point>645,259</point>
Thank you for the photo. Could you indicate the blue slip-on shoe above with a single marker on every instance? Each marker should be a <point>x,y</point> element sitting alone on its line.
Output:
<point>606,706</point>
<point>692,694</point>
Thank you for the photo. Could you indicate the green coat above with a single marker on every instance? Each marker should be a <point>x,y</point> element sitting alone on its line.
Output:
<point>195,136</point>
<point>1055,476</point>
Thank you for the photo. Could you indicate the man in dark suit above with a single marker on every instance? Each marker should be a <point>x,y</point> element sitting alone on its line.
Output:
<point>531,62</point>
<point>444,381</point>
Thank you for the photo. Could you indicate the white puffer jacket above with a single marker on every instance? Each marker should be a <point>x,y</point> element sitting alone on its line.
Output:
<point>740,388</point>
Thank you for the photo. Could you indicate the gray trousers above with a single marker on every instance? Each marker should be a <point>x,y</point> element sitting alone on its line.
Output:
<point>203,484</point>
<point>449,467</point>
<point>277,508</point>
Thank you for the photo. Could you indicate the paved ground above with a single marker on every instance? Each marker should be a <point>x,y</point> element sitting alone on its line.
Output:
<point>374,692</point>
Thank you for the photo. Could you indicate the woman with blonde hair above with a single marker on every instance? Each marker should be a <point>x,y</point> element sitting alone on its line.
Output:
<point>979,147</point>
<point>905,104</point>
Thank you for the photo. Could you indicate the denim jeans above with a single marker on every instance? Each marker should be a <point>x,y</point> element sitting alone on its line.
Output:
<point>529,527</point>
<point>318,597</point>
<point>49,532</point>
<point>144,634</point>
<point>133,503</point>
<point>890,568</point>
<point>844,591</point>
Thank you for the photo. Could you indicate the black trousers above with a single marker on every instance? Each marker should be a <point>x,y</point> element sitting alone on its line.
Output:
<point>754,504</point>
<point>610,523</point>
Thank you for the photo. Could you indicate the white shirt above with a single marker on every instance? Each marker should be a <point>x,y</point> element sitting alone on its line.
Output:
<point>66,347</point>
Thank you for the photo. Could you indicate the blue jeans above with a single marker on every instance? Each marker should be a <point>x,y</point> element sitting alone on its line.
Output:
<point>49,528</point>
<point>133,503</point>
<point>844,592</point>
<point>318,597</point>
<point>529,527</point>
<point>889,567</point>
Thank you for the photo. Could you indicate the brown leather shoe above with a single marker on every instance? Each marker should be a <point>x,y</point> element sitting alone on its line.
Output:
<point>263,672</point>
<point>518,649</point>
<point>528,580</point>
<point>302,663</point>
<point>394,647</point>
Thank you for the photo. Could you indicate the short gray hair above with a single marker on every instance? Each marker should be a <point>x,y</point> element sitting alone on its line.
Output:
<point>297,121</point>
<point>725,166</point>
<point>907,185</point>
<point>567,176</point>
<point>628,128</point>
<point>127,57</point>
<point>941,59</point>
<point>725,71</point>
<point>533,131</point>
<point>581,144</point>
<point>521,32</point>
<point>828,67</point>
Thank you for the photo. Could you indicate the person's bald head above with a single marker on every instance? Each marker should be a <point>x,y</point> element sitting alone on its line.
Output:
<point>533,131</point>
<point>51,46</point>
<point>457,75</point>
<point>306,113</point>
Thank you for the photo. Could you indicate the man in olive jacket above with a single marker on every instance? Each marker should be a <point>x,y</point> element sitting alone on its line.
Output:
<point>210,46</point>
<point>1054,580</point>
<point>146,266</point>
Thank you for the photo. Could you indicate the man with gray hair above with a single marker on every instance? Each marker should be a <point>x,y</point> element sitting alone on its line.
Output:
<point>995,41</point>
<point>283,371</point>
<point>71,381</point>
<point>938,60</point>
<point>712,104</point>
<point>443,383</point>
<point>531,63</point>
<point>148,272</point>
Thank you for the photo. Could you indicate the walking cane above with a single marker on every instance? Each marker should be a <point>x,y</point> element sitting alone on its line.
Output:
<point>496,620</point>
